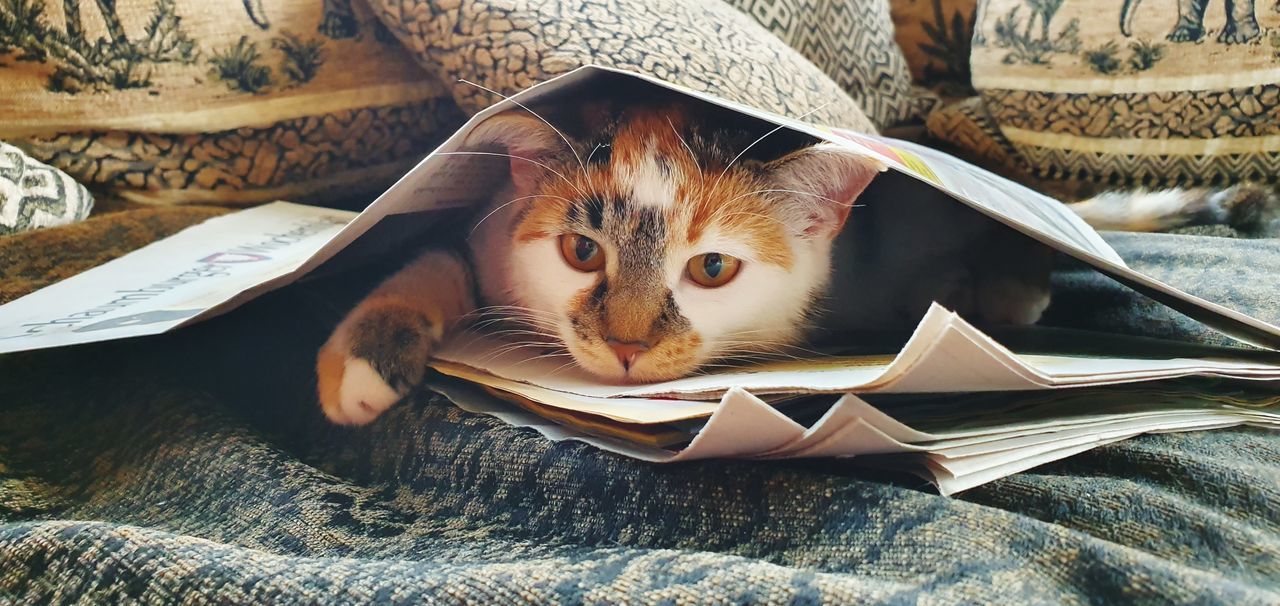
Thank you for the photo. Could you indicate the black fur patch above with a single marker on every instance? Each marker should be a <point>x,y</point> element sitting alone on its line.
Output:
<point>595,212</point>
<point>396,342</point>
<point>598,293</point>
<point>649,225</point>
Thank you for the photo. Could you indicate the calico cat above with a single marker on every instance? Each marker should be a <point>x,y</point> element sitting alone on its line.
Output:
<point>655,240</point>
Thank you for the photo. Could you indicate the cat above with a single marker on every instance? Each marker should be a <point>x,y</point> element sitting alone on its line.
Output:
<point>653,240</point>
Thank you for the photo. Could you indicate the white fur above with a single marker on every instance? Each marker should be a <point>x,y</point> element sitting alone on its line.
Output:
<point>648,184</point>
<point>532,274</point>
<point>364,395</point>
<point>1148,210</point>
<point>764,302</point>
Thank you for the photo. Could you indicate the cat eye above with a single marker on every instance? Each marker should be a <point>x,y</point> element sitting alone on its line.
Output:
<point>581,253</point>
<point>713,270</point>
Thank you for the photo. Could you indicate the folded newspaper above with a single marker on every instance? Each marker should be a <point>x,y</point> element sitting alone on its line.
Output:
<point>1009,406</point>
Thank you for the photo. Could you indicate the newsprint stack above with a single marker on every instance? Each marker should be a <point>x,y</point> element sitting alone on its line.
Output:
<point>956,405</point>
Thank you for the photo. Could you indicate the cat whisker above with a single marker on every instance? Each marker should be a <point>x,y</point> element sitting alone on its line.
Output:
<point>509,349</point>
<point>509,203</point>
<point>762,138</point>
<point>788,191</point>
<point>779,346</point>
<point>495,314</point>
<point>518,333</point>
<point>546,356</point>
<point>572,150</point>
<point>594,150</point>
<point>702,178</point>
<point>571,363</point>
<point>513,317</point>
<point>515,308</point>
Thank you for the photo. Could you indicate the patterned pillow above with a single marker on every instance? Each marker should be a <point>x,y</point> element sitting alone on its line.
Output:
<point>705,45</point>
<point>1125,93</point>
<point>852,41</point>
<point>230,102</point>
<point>34,194</point>
<point>935,37</point>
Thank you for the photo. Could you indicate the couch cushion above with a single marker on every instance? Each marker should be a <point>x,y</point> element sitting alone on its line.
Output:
<point>704,45</point>
<point>228,102</point>
<point>1085,93</point>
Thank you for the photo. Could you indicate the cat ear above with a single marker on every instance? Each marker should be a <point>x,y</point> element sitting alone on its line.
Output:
<point>823,181</point>
<point>531,143</point>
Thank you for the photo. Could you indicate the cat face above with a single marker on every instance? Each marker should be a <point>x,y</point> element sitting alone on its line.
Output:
<point>657,253</point>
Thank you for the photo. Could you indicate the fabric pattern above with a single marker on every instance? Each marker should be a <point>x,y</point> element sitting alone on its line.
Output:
<point>935,37</point>
<point>197,465</point>
<point>852,42</point>
<point>179,101</point>
<point>708,46</point>
<point>1132,95</point>
<point>34,194</point>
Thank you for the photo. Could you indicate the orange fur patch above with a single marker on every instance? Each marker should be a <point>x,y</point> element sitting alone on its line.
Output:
<point>736,206</point>
<point>330,366</point>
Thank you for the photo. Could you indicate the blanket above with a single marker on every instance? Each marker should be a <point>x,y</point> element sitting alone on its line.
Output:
<point>196,467</point>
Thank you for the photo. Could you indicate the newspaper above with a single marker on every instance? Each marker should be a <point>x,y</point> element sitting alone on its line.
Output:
<point>211,268</point>
<point>986,448</point>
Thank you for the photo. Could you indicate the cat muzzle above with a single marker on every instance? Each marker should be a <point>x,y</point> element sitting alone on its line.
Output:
<point>627,351</point>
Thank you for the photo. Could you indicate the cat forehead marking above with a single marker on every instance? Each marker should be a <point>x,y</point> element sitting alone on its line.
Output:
<point>652,181</point>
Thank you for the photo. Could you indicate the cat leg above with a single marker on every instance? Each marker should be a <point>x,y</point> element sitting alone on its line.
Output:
<point>1012,279</point>
<point>379,352</point>
<point>1005,280</point>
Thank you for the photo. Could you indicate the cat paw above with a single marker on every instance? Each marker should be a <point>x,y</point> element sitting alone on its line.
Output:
<point>372,362</point>
<point>351,391</point>
<point>1012,302</point>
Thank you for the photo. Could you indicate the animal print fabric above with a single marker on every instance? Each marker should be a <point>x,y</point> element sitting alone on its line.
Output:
<point>233,102</point>
<point>177,101</point>
<point>1130,93</point>
<point>34,194</point>
<point>196,466</point>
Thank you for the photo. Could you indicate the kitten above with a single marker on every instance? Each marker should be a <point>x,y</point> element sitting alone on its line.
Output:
<point>654,240</point>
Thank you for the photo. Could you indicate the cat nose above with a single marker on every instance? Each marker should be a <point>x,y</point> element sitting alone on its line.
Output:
<point>627,351</point>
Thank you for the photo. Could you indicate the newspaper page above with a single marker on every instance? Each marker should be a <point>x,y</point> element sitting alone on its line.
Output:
<point>945,354</point>
<point>173,281</point>
<point>989,447</point>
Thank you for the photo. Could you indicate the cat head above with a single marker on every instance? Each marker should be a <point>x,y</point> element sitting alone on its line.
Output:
<point>658,246</point>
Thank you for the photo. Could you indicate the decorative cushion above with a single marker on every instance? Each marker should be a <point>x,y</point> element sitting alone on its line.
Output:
<point>34,194</point>
<point>1088,92</point>
<point>705,45</point>
<point>852,41</point>
<point>229,102</point>
<point>935,38</point>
